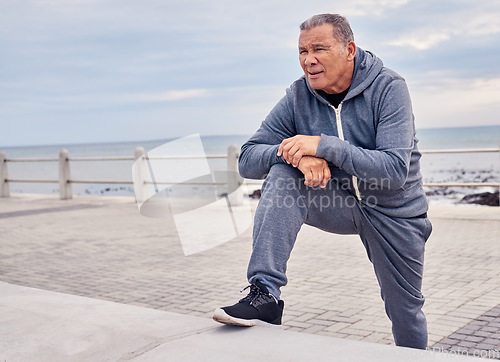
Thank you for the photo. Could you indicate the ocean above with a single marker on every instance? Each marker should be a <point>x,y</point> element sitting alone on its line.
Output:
<point>436,168</point>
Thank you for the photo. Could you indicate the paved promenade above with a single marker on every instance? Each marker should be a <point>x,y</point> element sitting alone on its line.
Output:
<point>103,248</point>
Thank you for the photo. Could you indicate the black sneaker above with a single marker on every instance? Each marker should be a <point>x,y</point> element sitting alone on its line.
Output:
<point>258,308</point>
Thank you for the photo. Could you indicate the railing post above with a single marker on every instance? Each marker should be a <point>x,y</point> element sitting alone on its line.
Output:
<point>4,184</point>
<point>65,190</point>
<point>235,192</point>
<point>140,176</point>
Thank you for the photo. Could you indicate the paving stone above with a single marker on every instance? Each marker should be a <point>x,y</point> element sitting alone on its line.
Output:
<point>485,347</point>
<point>493,341</point>
<point>490,329</point>
<point>302,325</point>
<point>305,317</point>
<point>320,322</point>
<point>483,334</point>
<point>358,332</point>
<point>448,341</point>
<point>466,344</point>
<point>336,327</point>
<point>314,328</point>
<point>458,336</point>
<point>475,339</point>
<point>471,328</point>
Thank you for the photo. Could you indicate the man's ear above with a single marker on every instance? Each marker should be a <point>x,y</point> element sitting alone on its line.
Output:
<point>350,51</point>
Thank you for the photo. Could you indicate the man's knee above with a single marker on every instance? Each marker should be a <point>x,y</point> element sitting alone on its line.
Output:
<point>282,177</point>
<point>284,170</point>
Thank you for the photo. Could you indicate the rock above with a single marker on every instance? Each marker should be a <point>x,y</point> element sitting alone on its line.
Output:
<point>255,195</point>
<point>484,198</point>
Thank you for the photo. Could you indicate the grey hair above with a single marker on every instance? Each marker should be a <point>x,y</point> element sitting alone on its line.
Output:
<point>342,31</point>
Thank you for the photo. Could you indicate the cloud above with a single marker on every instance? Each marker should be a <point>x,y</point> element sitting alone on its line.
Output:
<point>169,96</point>
<point>483,25</point>
<point>369,7</point>
<point>235,101</point>
<point>460,25</point>
<point>420,40</point>
<point>442,101</point>
<point>89,102</point>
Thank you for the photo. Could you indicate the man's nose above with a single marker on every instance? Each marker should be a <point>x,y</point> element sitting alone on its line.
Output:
<point>310,60</point>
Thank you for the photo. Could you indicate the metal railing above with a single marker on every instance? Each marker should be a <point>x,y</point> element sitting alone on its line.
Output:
<point>464,150</point>
<point>65,179</point>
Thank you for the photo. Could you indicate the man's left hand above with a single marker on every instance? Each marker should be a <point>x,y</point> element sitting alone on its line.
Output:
<point>316,171</point>
<point>294,148</point>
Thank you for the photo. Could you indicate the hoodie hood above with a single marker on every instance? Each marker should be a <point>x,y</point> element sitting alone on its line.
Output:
<point>367,66</point>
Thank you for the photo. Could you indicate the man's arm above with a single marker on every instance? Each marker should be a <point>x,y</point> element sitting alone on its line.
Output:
<point>260,152</point>
<point>388,164</point>
<point>294,148</point>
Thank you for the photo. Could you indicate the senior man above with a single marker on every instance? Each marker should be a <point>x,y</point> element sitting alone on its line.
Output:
<point>338,152</point>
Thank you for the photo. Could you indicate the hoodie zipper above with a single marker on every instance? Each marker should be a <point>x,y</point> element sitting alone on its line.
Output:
<point>340,131</point>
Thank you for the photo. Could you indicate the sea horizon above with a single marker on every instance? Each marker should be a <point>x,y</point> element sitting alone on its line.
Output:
<point>491,131</point>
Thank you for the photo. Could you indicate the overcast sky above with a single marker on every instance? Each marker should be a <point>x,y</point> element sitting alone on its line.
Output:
<point>77,71</point>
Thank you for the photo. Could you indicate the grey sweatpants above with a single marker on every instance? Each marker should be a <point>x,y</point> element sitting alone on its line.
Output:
<point>395,246</point>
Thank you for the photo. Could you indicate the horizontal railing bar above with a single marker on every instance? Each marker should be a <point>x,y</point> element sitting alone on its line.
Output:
<point>463,185</point>
<point>32,181</point>
<point>100,182</point>
<point>146,158</point>
<point>124,158</point>
<point>147,182</point>
<point>185,183</point>
<point>464,150</point>
<point>31,160</point>
<point>180,157</point>
<point>111,158</point>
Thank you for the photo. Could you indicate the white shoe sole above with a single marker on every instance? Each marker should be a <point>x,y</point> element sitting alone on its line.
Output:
<point>222,317</point>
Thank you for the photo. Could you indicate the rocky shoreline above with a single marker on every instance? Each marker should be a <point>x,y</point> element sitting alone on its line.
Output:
<point>483,198</point>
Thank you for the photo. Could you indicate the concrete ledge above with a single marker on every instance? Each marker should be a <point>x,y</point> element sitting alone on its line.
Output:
<point>42,325</point>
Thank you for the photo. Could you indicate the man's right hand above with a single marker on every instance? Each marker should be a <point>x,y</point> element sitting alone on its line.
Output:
<point>315,170</point>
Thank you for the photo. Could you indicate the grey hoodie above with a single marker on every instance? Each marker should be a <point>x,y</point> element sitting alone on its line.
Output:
<point>369,140</point>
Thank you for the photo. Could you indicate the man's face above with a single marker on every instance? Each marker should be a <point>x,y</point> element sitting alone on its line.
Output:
<point>325,65</point>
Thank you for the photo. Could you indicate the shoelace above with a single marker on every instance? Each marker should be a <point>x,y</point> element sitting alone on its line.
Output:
<point>255,292</point>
